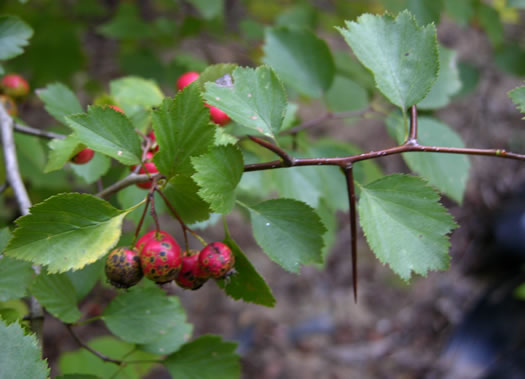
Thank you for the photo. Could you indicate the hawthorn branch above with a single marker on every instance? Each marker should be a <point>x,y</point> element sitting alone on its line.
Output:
<point>287,159</point>
<point>121,184</point>
<point>24,129</point>
<point>349,176</point>
<point>104,357</point>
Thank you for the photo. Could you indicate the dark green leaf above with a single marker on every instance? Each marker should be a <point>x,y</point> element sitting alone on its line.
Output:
<point>489,19</point>
<point>14,34</point>
<point>126,24</point>
<point>209,9</point>
<point>182,194</point>
<point>85,279</point>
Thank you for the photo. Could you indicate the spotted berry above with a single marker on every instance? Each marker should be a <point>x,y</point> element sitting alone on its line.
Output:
<point>217,260</point>
<point>161,259</point>
<point>151,169</point>
<point>153,234</point>
<point>123,267</point>
<point>191,275</point>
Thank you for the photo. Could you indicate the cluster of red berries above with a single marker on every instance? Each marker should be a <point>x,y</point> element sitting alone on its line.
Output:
<point>13,86</point>
<point>158,256</point>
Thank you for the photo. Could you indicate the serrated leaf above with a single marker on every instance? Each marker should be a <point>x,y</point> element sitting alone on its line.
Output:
<point>402,56</point>
<point>20,354</point>
<point>447,172</point>
<point>208,357</point>
<point>209,9</point>
<point>182,194</point>
<point>289,231</point>
<point>132,90</point>
<point>517,95</point>
<point>256,101</point>
<point>214,72</point>
<point>14,35</point>
<point>90,172</point>
<point>218,173</point>
<point>142,315</point>
<point>66,231</point>
<point>85,279</point>
<point>405,225</point>
<point>183,130</point>
<point>246,284</point>
<point>57,294</point>
<point>108,132</point>
<point>61,152</point>
<point>59,101</point>
<point>301,59</point>
<point>447,84</point>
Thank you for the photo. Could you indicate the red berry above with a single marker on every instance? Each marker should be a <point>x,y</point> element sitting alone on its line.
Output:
<point>123,267</point>
<point>118,109</point>
<point>218,116</point>
<point>154,146</point>
<point>9,105</point>
<point>161,259</point>
<point>187,78</point>
<point>14,85</point>
<point>149,157</point>
<point>191,275</point>
<point>149,236</point>
<point>152,169</point>
<point>84,156</point>
<point>217,260</point>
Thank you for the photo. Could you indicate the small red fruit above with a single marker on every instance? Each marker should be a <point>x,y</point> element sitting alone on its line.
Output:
<point>218,116</point>
<point>9,105</point>
<point>123,267</point>
<point>187,78</point>
<point>118,109</point>
<point>149,236</point>
<point>14,85</point>
<point>154,146</point>
<point>217,260</point>
<point>191,276</point>
<point>84,156</point>
<point>149,157</point>
<point>161,259</point>
<point>152,169</point>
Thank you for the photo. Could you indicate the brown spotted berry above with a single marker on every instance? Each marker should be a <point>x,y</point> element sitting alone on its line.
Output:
<point>161,259</point>
<point>217,260</point>
<point>191,275</point>
<point>123,267</point>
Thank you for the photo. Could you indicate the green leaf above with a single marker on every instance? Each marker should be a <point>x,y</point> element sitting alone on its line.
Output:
<point>14,34</point>
<point>520,4</point>
<point>490,21</point>
<point>57,294</point>
<point>447,84</point>
<point>214,72</point>
<point>183,130</point>
<point>132,91</point>
<point>142,315</point>
<point>460,11</point>
<point>82,361</point>
<point>246,284</point>
<point>256,101</point>
<point>300,183</point>
<point>92,171</point>
<point>346,95</point>
<point>77,376</point>
<point>517,95</point>
<point>405,225</point>
<point>59,101</point>
<point>61,152</point>
<point>108,132</point>
<point>20,354</point>
<point>66,231</point>
<point>85,279</point>
<point>174,337</point>
<point>402,56</point>
<point>182,194</point>
<point>127,24</point>
<point>208,357</point>
<point>289,231</point>
<point>447,172</point>
<point>298,16</point>
<point>209,9</point>
<point>218,173</point>
<point>426,11</point>
<point>301,59</point>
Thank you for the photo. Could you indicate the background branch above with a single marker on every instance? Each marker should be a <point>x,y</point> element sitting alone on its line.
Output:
<point>349,176</point>
<point>37,132</point>
<point>121,184</point>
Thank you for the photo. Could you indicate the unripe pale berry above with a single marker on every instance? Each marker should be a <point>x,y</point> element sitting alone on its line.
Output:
<point>123,267</point>
<point>217,260</point>
<point>84,156</point>
<point>191,275</point>
<point>14,85</point>
<point>218,116</point>
<point>186,79</point>
<point>151,235</point>
<point>161,259</point>
<point>152,169</point>
<point>9,105</point>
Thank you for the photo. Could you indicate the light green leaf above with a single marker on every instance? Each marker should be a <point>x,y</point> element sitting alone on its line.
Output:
<point>346,95</point>
<point>246,284</point>
<point>517,95</point>
<point>182,194</point>
<point>256,101</point>
<point>447,172</point>
<point>208,357</point>
<point>289,231</point>
<point>300,183</point>
<point>520,4</point>
<point>301,59</point>
<point>209,9</point>
<point>14,34</point>
<point>57,294</point>
<point>447,84</point>
<point>20,356</point>
<point>218,173</point>
<point>108,132</point>
<point>59,101</point>
<point>183,130</point>
<point>405,225</point>
<point>131,90</point>
<point>142,315</point>
<point>97,167</point>
<point>214,72</point>
<point>61,152</point>
<point>402,56</point>
<point>66,231</point>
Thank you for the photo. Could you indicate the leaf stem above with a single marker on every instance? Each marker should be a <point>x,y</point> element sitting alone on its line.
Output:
<point>141,221</point>
<point>349,176</point>
<point>153,211</point>
<point>412,132</point>
<point>287,159</point>
<point>126,182</point>
<point>104,357</point>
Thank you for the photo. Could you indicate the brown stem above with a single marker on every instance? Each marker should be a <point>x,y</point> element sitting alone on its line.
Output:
<point>141,221</point>
<point>104,357</point>
<point>412,133</point>
<point>349,176</point>
<point>24,129</point>
<point>287,159</point>
<point>121,184</point>
<point>153,211</point>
